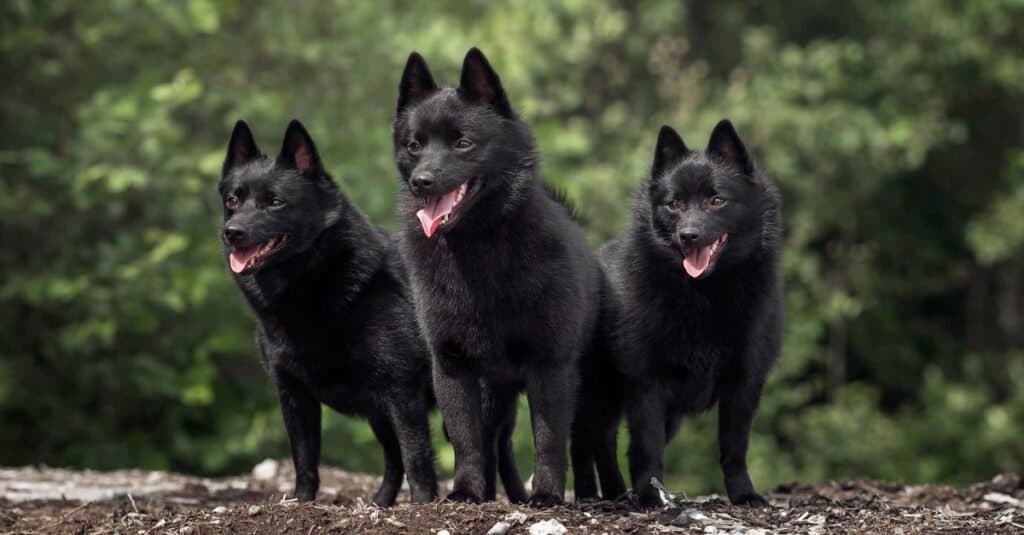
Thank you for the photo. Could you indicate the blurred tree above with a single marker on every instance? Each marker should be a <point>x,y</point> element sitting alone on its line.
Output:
<point>896,131</point>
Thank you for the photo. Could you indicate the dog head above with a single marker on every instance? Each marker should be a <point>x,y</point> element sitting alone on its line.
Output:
<point>274,208</point>
<point>457,146</point>
<point>706,208</point>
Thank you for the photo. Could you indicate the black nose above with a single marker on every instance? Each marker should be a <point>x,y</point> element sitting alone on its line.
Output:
<point>233,235</point>
<point>689,235</point>
<point>423,179</point>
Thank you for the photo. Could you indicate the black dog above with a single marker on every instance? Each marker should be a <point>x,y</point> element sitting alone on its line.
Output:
<point>506,290</point>
<point>699,302</point>
<point>336,319</point>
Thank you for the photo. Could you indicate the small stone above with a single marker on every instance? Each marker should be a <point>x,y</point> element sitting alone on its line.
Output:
<point>687,518</point>
<point>499,528</point>
<point>265,470</point>
<point>548,527</point>
<point>516,517</point>
<point>219,510</point>
<point>393,522</point>
<point>663,493</point>
<point>254,510</point>
<point>998,497</point>
<point>444,532</point>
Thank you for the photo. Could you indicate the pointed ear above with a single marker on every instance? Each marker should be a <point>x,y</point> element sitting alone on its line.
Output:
<point>725,144</point>
<point>480,82</point>
<point>298,150</point>
<point>669,150</point>
<point>241,148</point>
<point>416,81</point>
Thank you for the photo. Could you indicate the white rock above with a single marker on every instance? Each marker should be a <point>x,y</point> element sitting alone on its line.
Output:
<point>444,532</point>
<point>663,493</point>
<point>266,470</point>
<point>687,518</point>
<point>998,497</point>
<point>516,517</point>
<point>219,510</point>
<point>500,528</point>
<point>254,510</point>
<point>547,527</point>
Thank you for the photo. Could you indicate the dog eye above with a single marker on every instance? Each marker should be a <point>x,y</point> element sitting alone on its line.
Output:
<point>463,144</point>
<point>276,203</point>
<point>414,147</point>
<point>717,200</point>
<point>675,205</point>
<point>231,203</point>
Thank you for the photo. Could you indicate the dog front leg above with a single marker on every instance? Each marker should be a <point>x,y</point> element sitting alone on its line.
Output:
<point>552,397</point>
<point>413,430</point>
<point>458,396</point>
<point>301,412</point>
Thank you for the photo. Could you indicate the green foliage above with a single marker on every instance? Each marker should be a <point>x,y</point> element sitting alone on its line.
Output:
<point>894,129</point>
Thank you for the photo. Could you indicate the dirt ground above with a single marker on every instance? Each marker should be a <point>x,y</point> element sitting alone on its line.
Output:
<point>46,500</point>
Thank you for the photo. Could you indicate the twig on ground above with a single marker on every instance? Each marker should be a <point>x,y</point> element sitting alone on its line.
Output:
<point>68,515</point>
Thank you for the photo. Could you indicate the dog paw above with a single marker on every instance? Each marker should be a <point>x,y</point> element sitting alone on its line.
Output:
<point>649,498</point>
<point>423,496</point>
<point>750,499</point>
<point>517,497</point>
<point>462,496</point>
<point>545,499</point>
<point>305,494</point>
<point>384,498</point>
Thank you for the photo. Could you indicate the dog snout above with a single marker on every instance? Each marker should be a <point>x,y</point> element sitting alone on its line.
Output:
<point>422,179</point>
<point>689,235</point>
<point>234,235</point>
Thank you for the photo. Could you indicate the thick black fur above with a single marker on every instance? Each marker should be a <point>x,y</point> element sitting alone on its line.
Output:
<point>507,293</point>
<point>336,319</point>
<point>684,344</point>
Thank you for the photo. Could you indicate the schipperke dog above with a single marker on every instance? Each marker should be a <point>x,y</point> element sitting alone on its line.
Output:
<point>336,319</point>
<point>506,289</point>
<point>698,301</point>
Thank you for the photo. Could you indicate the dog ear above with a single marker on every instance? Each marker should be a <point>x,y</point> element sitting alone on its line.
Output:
<point>479,82</point>
<point>241,148</point>
<point>669,150</point>
<point>416,81</point>
<point>725,145</point>
<point>299,152</point>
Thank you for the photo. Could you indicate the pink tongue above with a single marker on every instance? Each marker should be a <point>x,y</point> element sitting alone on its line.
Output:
<point>436,208</point>
<point>697,261</point>
<point>240,257</point>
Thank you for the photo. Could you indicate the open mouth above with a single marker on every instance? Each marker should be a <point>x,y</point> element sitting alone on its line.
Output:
<point>440,211</point>
<point>698,261</point>
<point>246,259</point>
